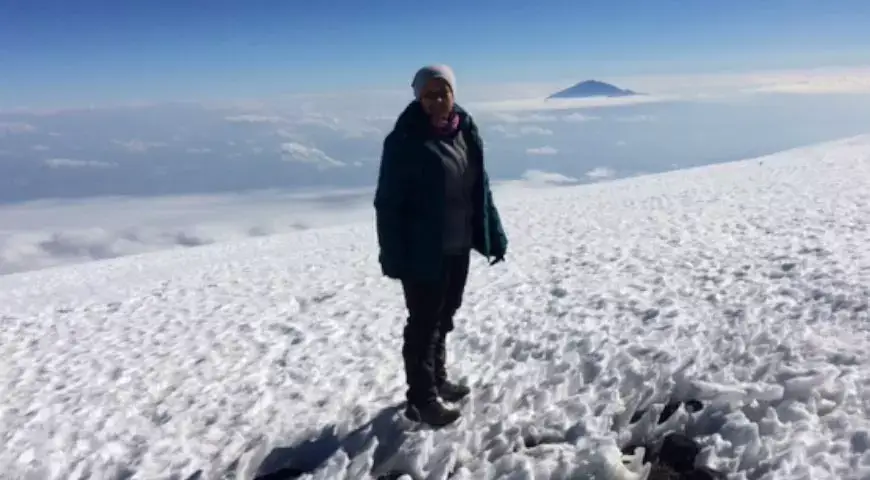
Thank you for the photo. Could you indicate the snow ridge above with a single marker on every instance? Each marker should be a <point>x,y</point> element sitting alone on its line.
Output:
<point>743,285</point>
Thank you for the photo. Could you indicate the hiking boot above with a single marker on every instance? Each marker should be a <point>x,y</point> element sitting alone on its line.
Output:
<point>452,393</point>
<point>449,392</point>
<point>432,413</point>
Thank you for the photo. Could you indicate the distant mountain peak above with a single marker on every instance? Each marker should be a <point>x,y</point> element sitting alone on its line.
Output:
<point>593,88</point>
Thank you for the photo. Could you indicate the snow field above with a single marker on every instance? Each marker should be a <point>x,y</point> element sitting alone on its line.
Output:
<point>743,285</point>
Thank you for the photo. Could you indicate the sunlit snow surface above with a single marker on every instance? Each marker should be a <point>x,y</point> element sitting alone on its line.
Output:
<point>743,285</point>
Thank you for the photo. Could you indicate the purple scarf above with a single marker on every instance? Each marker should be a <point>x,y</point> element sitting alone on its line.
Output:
<point>447,127</point>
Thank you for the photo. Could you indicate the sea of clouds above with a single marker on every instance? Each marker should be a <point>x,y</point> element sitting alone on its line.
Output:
<point>82,184</point>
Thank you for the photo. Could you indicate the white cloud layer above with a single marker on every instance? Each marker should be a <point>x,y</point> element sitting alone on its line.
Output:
<point>540,151</point>
<point>534,130</point>
<point>300,153</point>
<point>823,85</point>
<point>600,173</point>
<point>636,118</point>
<point>138,146</point>
<point>44,234</point>
<point>688,87</point>
<point>72,163</point>
<point>15,128</point>
<point>517,131</point>
<point>827,80</point>
<point>51,233</point>
<point>252,118</point>
<point>540,178</point>
<point>578,117</point>
<point>544,104</point>
<point>335,140</point>
<point>524,118</point>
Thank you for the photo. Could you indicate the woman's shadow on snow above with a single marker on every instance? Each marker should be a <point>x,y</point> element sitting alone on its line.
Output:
<point>307,456</point>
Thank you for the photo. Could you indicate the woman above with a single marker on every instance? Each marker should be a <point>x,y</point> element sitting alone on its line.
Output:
<point>433,206</point>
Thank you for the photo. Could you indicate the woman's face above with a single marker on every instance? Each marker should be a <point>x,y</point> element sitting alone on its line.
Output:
<point>437,99</point>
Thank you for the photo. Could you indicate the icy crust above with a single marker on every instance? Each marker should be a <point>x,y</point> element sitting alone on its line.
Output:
<point>745,286</point>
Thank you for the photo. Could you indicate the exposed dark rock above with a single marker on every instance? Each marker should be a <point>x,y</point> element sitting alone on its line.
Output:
<point>675,460</point>
<point>679,452</point>
<point>670,409</point>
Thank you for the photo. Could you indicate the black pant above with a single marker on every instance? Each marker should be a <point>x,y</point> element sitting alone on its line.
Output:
<point>431,306</point>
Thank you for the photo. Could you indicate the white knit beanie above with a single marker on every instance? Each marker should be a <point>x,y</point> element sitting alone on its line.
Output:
<point>433,71</point>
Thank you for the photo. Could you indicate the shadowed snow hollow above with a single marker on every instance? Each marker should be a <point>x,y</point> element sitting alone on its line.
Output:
<point>742,285</point>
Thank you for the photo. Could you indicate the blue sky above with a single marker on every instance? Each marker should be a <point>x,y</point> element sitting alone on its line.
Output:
<point>70,53</point>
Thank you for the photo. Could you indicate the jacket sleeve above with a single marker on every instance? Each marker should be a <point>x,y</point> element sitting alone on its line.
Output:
<point>498,241</point>
<point>390,198</point>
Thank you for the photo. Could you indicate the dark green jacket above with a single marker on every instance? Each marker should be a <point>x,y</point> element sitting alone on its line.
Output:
<point>409,200</point>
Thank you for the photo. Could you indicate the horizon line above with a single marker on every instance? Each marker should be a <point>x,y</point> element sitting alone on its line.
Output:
<point>237,101</point>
